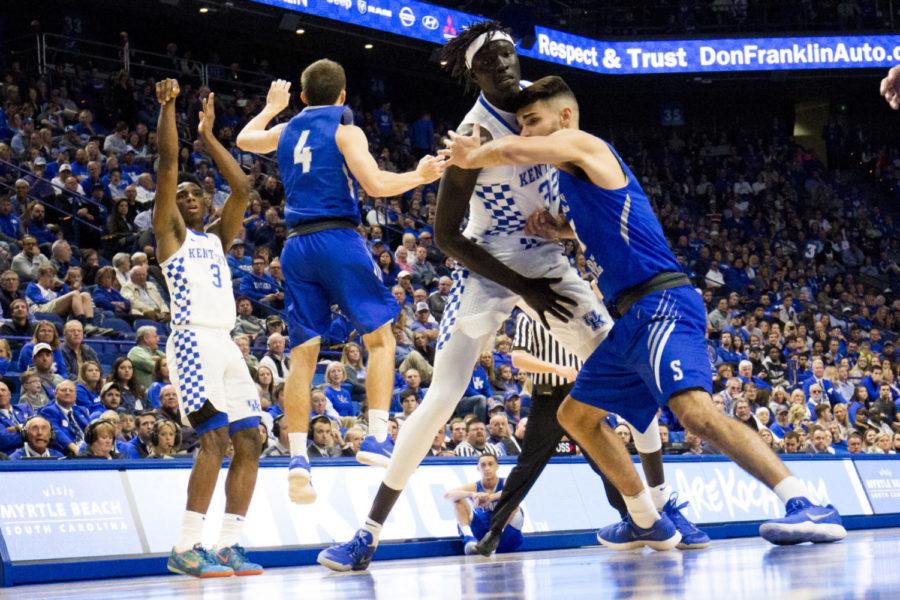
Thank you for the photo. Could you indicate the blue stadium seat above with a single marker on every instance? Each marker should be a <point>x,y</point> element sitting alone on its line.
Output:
<point>56,320</point>
<point>119,325</point>
<point>676,436</point>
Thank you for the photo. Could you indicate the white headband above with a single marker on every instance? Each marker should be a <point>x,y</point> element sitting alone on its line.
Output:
<point>481,40</point>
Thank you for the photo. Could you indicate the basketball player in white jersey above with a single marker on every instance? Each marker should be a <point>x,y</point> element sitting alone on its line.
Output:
<point>504,268</point>
<point>215,391</point>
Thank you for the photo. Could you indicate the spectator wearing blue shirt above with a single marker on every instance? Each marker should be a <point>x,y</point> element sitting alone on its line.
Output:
<point>139,445</point>
<point>67,420</point>
<point>43,297</point>
<point>259,286</point>
<point>336,393</point>
<point>37,228</point>
<point>421,135</point>
<point>107,297</point>
<point>11,420</point>
<point>424,322</point>
<point>502,356</point>
<point>872,381</point>
<point>38,439</point>
<point>10,225</point>
<point>238,262</point>
<point>475,397</point>
<point>44,333</point>
<point>745,374</point>
<point>725,353</point>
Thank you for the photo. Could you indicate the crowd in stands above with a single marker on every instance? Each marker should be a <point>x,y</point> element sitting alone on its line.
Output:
<point>795,255</point>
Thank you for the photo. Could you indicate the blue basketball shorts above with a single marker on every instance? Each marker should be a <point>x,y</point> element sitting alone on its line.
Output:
<point>657,349</point>
<point>332,267</point>
<point>510,539</point>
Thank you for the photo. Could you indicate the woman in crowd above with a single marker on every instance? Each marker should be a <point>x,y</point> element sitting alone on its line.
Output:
<point>160,380</point>
<point>44,332</point>
<point>334,391</point>
<point>243,344</point>
<point>779,400</point>
<point>798,417</point>
<point>121,232</point>
<point>100,437</point>
<point>895,443</point>
<point>766,434</point>
<point>122,373</point>
<point>5,356</point>
<point>166,440</point>
<point>107,297</point>
<point>88,385</point>
<point>74,281</point>
<point>90,264</point>
<point>841,417</point>
<point>389,269</point>
<point>402,258</point>
<point>869,437</point>
<point>265,383</point>
<point>884,443</point>
<point>354,370</point>
<point>122,264</point>
<point>860,401</point>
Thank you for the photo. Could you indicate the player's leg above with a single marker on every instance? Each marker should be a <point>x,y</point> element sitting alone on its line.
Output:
<point>645,526</point>
<point>458,355</point>
<point>197,380</point>
<point>542,434</point>
<point>244,416</point>
<point>297,400</point>
<point>375,449</point>
<point>465,522</point>
<point>511,537</point>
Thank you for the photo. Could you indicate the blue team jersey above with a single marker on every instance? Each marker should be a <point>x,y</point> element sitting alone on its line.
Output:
<point>317,183</point>
<point>624,242</point>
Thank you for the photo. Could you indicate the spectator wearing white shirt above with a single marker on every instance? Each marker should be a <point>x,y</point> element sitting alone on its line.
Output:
<point>59,182</point>
<point>146,299</point>
<point>146,191</point>
<point>275,358</point>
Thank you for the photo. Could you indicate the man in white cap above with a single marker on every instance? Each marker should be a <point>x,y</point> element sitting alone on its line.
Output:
<point>425,322</point>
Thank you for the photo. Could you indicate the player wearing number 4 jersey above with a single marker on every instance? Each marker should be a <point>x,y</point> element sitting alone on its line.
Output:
<point>655,354</point>
<point>325,261</point>
<point>215,391</point>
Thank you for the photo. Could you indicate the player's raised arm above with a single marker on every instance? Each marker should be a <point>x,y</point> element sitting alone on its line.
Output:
<point>890,87</point>
<point>530,363</point>
<point>168,226</point>
<point>254,137</point>
<point>355,147</point>
<point>232,217</point>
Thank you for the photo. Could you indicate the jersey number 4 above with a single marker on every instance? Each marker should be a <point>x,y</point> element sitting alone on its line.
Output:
<point>302,154</point>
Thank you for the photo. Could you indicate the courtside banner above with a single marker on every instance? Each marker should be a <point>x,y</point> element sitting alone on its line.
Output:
<point>436,24</point>
<point>881,480</point>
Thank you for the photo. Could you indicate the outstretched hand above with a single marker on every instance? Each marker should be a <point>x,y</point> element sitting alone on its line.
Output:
<point>207,116</point>
<point>459,148</point>
<point>430,168</point>
<point>890,87</point>
<point>543,299</point>
<point>279,95</point>
<point>167,90</point>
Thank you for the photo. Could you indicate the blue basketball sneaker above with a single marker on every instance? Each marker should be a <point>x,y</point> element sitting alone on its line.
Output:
<point>354,555</point>
<point>691,537</point>
<point>626,535</point>
<point>235,558</point>
<point>300,488</point>
<point>374,453</point>
<point>197,562</point>
<point>804,522</point>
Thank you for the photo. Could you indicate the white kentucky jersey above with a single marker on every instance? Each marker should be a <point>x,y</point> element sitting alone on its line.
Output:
<point>505,196</point>
<point>200,283</point>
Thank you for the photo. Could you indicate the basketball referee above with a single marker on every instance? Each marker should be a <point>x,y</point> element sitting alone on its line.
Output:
<point>553,372</point>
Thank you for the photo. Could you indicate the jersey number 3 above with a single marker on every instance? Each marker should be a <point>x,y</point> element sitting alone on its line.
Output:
<point>302,154</point>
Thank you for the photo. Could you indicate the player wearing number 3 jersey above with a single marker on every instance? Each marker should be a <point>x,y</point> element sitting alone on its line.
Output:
<point>321,155</point>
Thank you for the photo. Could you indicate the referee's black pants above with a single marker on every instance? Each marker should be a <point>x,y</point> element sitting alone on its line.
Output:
<point>542,434</point>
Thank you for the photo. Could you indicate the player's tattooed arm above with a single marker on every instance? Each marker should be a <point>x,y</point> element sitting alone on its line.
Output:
<point>168,226</point>
<point>456,188</point>
<point>231,221</point>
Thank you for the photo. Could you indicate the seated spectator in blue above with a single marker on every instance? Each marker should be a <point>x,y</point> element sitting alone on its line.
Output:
<point>110,399</point>
<point>725,353</point>
<point>37,227</point>
<point>413,381</point>
<point>505,381</point>
<point>264,234</point>
<point>336,393</point>
<point>67,420</point>
<point>321,407</point>
<point>818,377</point>
<point>43,366</point>
<point>502,348</point>
<point>474,505</point>
<point>74,351</point>
<point>238,262</point>
<point>11,420</point>
<point>408,403</point>
<point>43,297</point>
<point>5,357</point>
<point>107,297</point>
<point>512,402</point>
<point>872,381</point>
<point>10,225</point>
<point>160,380</point>
<point>860,400</point>
<point>88,385</point>
<point>44,332</point>
<point>389,268</point>
<point>259,286</point>
<point>39,436</point>
<point>339,330</point>
<point>745,374</point>
<point>139,445</point>
<point>424,322</point>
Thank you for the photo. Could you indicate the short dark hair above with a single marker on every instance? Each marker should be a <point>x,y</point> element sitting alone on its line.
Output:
<point>454,52</point>
<point>185,177</point>
<point>322,82</point>
<point>491,456</point>
<point>320,419</point>
<point>545,88</point>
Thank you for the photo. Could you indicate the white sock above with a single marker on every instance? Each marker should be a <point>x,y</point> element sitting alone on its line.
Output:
<point>641,509</point>
<point>660,495</point>
<point>373,528</point>
<point>378,420</point>
<point>466,530</point>
<point>297,441</point>
<point>230,534</point>
<point>191,531</point>
<point>789,487</point>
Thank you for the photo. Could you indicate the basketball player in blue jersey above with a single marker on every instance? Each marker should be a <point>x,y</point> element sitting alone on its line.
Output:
<point>215,391</point>
<point>325,261</point>
<point>474,504</point>
<point>655,354</point>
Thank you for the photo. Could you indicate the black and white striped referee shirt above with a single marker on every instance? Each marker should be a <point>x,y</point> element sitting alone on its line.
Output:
<point>533,338</point>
